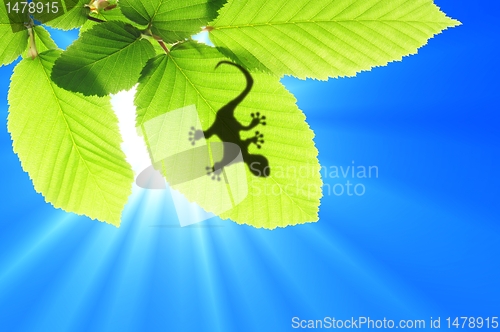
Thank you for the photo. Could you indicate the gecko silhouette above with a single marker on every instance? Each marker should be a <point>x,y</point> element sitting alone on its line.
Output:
<point>228,129</point>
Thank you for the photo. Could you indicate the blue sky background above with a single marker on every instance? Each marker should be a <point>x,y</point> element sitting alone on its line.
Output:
<point>422,242</point>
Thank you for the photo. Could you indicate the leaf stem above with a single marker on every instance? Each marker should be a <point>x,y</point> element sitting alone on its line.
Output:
<point>32,44</point>
<point>149,33</point>
<point>162,44</point>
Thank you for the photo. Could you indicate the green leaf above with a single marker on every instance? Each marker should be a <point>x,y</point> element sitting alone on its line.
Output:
<point>187,76</point>
<point>118,16</point>
<point>69,144</point>
<point>75,15</point>
<point>114,14</point>
<point>106,59</point>
<point>107,15</point>
<point>324,38</point>
<point>43,41</point>
<point>87,26</point>
<point>13,38</point>
<point>172,20</point>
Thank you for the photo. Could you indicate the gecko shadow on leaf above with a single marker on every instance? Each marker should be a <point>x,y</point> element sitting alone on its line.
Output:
<point>181,163</point>
<point>228,129</point>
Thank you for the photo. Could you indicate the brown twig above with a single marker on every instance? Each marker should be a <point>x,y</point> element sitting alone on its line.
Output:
<point>95,19</point>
